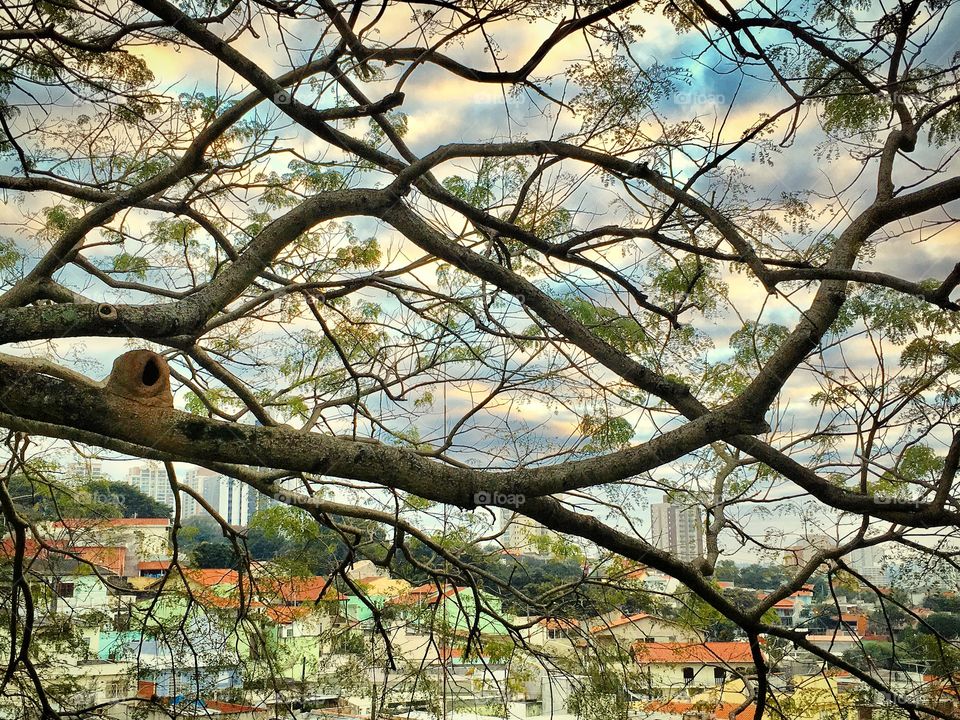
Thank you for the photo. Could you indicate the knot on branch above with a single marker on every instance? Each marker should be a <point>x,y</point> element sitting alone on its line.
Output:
<point>107,313</point>
<point>142,376</point>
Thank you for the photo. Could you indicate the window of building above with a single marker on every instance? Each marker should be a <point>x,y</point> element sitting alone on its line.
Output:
<point>688,675</point>
<point>115,689</point>
<point>64,590</point>
<point>719,675</point>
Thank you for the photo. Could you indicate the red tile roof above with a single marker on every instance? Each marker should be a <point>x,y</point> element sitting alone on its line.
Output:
<point>31,548</point>
<point>708,652</point>
<point>559,624</point>
<point>112,558</point>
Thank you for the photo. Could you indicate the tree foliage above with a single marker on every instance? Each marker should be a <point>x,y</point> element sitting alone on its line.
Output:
<point>723,275</point>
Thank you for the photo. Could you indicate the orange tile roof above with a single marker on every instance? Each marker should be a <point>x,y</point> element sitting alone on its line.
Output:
<point>212,576</point>
<point>721,711</point>
<point>559,624</point>
<point>223,603</point>
<point>231,708</point>
<point>32,548</point>
<point>622,620</point>
<point>112,522</point>
<point>446,654</point>
<point>425,589</point>
<point>426,593</point>
<point>284,615</point>
<point>154,565</point>
<point>708,652</point>
<point>302,589</point>
<point>111,558</point>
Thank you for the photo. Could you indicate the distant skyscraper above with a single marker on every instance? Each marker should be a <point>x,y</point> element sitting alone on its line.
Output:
<point>84,469</point>
<point>803,551</point>
<point>233,500</point>
<point>522,535</point>
<point>676,529</point>
<point>188,506</point>
<point>868,562</point>
<point>151,479</point>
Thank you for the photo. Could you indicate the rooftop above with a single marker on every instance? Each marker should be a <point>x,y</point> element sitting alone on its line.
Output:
<point>112,522</point>
<point>621,621</point>
<point>708,652</point>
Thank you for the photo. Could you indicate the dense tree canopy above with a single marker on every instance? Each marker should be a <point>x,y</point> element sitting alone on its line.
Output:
<point>37,498</point>
<point>412,263</point>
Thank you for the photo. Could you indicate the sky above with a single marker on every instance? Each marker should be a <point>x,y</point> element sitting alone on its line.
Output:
<point>442,108</point>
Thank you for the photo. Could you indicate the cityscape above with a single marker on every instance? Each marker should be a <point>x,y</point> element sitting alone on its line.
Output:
<point>151,629</point>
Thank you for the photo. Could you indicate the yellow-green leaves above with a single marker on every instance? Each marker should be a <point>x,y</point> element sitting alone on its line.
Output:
<point>605,433</point>
<point>621,331</point>
<point>127,263</point>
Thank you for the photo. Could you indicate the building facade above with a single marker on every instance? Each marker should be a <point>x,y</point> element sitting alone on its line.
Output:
<point>523,536</point>
<point>151,479</point>
<point>676,529</point>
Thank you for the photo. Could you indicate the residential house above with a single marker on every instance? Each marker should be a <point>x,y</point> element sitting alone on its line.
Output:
<point>143,539</point>
<point>675,669</point>
<point>837,641</point>
<point>625,630</point>
<point>555,636</point>
<point>427,609</point>
<point>70,586</point>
